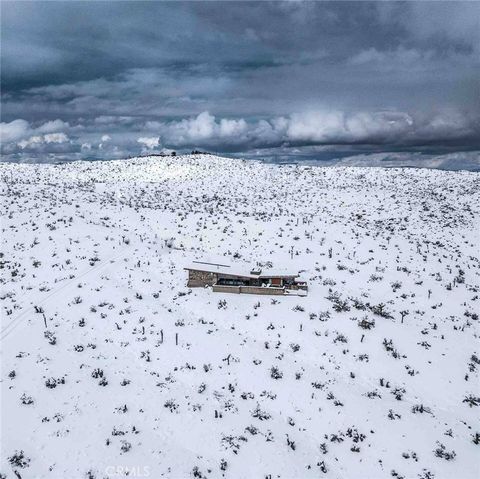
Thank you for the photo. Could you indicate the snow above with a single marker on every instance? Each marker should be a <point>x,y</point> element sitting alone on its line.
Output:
<point>233,269</point>
<point>149,377</point>
<point>237,269</point>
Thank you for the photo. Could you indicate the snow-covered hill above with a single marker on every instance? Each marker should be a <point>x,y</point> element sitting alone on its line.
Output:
<point>110,364</point>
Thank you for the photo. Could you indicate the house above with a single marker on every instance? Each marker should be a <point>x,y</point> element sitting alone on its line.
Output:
<point>236,278</point>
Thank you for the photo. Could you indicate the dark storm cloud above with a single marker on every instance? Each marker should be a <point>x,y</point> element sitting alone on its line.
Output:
<point>237,77</point>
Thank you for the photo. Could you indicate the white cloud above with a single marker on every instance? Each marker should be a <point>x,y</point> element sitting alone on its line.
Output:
<point>15,130</point>
<point>39,140</point>
<point>202,128</point>
<point>199,128</point>
<point>315,126</point>
<point>55,138</point>
<point>341,127</point>
<point>22,132</point>
<point>53,126</point>
<point>149,143</point>
<point>32,142</point>
<point>389,60</point>
<point>228,128</point>
<point>205,131</point>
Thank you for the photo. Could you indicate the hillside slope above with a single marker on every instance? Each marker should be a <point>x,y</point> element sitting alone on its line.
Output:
<point>110,364</point>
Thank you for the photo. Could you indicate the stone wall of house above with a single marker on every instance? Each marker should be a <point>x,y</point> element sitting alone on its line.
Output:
<point>200,278</point>
<point>247,290</point>
<point>221,288</point>
<point>261,290</point>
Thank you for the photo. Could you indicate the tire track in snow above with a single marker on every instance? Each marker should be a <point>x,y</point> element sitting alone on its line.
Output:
<point>18,320</point>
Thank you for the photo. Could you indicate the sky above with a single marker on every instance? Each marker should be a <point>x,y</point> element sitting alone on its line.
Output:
<point>102,80</point>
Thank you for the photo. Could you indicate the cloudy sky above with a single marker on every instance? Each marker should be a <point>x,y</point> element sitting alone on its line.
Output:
<point>113,79</point>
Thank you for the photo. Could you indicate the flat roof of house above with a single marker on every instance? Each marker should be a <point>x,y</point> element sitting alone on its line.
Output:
<point>244,270</point>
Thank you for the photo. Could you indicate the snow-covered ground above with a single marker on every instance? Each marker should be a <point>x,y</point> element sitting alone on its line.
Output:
<point>111,365</point>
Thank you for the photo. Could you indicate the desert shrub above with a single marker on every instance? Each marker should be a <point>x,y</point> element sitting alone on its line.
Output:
<point>258,413</point>
<point>103,382</point>
<point>97,373</point>
<point>323,316</point>
<point>295,347</point>
<point>420,408</point>
<point>388,345</point>
<point>365,323</point>
<point>379,310</point>
<point>340,305</point>
<point>358,304</point>
<point>171,405</point>
<point>275,373</point>
<point>472,400</point>
<point>50,337</point>
<point>126,446</point>
<point>18,459</point>
<point>398,393</point>
<point>396,285</point>
<point>441,451</point>
<point>52,383</point>
<point>27,400</point>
